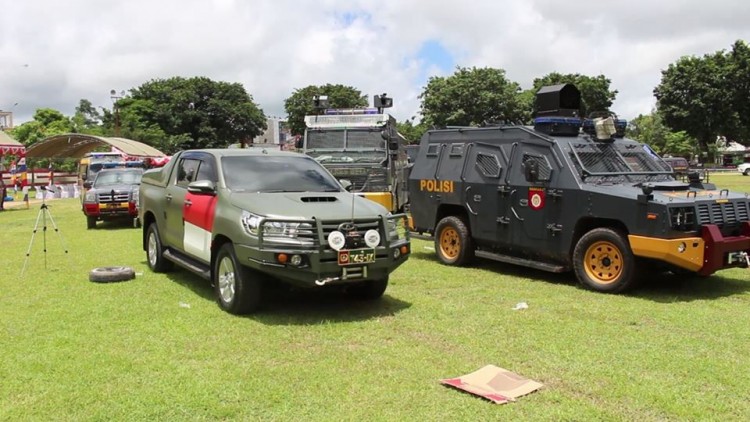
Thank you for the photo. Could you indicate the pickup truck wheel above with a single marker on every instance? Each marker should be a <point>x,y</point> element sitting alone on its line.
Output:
<point>90,222</point>
<point>453,243</point>
<point>746,172</point>
<point>603,261</point>
<point>238,288</point>
<point>155,251</point>
<point>368,290</point>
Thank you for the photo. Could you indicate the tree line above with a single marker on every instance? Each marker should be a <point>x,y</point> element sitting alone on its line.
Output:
<point>698,98</point>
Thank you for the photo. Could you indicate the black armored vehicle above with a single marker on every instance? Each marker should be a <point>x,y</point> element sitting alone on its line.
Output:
<point>571,194</point>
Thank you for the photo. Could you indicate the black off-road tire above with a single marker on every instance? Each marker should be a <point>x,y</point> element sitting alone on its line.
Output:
<point>453,242</point>
<point>155,251</point>
<point>90,222</point>
<point>746,172</point>
<point>604,262</point>
<point>238,288</point>
<point>368,290</point>
<point>111,274</point>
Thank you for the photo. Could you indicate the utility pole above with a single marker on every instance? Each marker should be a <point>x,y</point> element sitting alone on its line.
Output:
<point>113,95</point>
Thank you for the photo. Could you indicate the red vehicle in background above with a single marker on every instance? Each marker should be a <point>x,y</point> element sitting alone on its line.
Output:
<point>112,195</point>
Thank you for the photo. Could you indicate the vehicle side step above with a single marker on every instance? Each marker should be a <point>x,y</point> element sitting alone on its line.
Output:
<point>521,261</point>
<point>188,264</point>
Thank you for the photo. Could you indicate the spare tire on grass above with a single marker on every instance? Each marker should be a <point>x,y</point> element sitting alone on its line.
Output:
<point>111,274</point>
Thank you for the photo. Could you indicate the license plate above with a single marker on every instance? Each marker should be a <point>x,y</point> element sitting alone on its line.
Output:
<point>113,205</point>
<point>356,256</point>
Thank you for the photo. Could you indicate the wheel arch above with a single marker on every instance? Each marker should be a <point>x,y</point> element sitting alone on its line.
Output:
<point>148,218</point>
<point>446,210</point>
<point>586,224</point>
<point>216,244</point>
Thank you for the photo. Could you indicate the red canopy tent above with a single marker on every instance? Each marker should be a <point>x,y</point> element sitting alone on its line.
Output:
<point>9,146</point>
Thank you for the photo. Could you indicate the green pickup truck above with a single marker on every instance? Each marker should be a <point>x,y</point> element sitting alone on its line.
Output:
<point>239,217</point>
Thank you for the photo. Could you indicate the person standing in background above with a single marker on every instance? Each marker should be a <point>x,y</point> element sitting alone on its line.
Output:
<point>2,192</point>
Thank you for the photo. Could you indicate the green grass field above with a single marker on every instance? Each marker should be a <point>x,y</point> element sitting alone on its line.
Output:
<point>158,347</point>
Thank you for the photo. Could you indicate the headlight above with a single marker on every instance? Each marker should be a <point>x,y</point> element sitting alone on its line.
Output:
<point>136,197</point>
<point>250,222</point>
<point>284,229</point>
<point>90,196</point>
<point>392,228</point>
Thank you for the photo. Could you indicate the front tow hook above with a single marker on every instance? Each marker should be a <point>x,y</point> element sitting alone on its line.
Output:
<point>324,281</point>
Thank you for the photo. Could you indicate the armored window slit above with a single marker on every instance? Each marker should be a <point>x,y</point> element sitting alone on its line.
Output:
<point>488,165</point>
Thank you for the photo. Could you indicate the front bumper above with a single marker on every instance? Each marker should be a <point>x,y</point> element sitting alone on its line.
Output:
<point>322,267</point>
<point>723,252</point>
<point>704,255</point>
<point>110,210</point>
<point>320,264</point>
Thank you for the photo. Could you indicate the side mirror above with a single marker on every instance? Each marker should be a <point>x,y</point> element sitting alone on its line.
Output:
<point>87,185</point>
<point>202,187</point>
<point>531,170</point>
<point>346,184</point>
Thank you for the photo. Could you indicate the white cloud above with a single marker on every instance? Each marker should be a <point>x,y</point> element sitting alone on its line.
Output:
<point>83,48</point>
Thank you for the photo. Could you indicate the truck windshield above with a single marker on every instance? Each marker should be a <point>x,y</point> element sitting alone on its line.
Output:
<point>346,145</point>
<point>125,177</point>
<point>618,162</point>
<point>276,174</point>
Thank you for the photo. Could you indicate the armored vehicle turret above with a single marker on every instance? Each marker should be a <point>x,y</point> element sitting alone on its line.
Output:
<point>571,194</point>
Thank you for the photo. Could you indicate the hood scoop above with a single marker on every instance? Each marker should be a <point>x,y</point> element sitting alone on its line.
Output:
<point>319,199</point>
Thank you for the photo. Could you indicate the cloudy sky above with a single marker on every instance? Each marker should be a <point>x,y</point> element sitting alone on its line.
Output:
<point>53,53</point>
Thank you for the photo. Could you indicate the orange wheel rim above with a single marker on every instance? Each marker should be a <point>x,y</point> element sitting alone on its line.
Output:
<point>450,243</point>
<point>603,262</point>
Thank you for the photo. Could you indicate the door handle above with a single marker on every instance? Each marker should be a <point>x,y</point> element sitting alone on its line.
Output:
<point>169,197</point>
<point>188,202</point>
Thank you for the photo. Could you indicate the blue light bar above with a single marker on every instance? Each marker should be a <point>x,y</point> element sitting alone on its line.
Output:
<point>558,120</point>
<point>345,111</point>
<point>558,126</point>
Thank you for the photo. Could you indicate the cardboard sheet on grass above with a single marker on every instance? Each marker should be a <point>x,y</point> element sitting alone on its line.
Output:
<point>495,384</point>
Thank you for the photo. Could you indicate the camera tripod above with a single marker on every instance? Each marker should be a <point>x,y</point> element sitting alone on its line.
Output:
<point>42,216</point>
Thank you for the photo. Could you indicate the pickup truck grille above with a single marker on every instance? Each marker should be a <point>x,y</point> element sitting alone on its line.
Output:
<point>329,226</point>
<point>113,197</point>
<point>722,213</point>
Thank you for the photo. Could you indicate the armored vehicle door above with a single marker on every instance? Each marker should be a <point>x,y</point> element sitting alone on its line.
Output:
<point>483,170</point>
<point>533,206</point>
